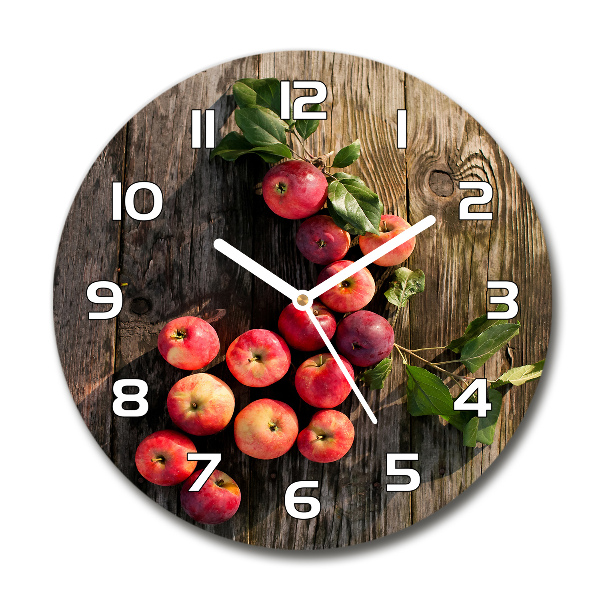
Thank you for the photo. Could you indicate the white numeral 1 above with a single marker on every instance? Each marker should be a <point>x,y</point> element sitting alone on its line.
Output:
<point>139,397</point>
<point>213,461</point>
<point>402,129</point>
<point>116,299</point>
<point>291,500</point>
<point>486,196</point>
<point>129,197</point>
<point>299,114</point>
<point>415,478</point>
<point>481,406</point>
<point>509,299</point>
<point>209,116</point>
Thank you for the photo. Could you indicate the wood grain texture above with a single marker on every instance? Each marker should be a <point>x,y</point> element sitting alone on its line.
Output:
<point>167,268</point>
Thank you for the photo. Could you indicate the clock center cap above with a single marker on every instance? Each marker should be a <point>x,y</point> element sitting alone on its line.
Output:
<point>303,301</point>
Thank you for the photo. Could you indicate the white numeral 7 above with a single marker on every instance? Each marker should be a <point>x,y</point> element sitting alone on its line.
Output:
<point>213,461</point>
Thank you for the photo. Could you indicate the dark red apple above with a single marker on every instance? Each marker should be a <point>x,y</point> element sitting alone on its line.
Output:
<point>296,327</point>
<point>258,358</point>
<point>215,502</point>
<point>320,382</point>
<point>327,438</point>
<point>161,458</point>
<point>188,343</point>
<point>321,241</point>
<point>352,294</point>
<point>364,338</point>
<point>294,189</point>
<point>389,227</point>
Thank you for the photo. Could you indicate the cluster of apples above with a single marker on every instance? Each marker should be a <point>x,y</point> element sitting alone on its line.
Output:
<point>202,404</point>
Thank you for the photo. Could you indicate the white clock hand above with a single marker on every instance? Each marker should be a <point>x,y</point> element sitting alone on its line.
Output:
<point>340,364</point>
<point>372,256</point>
<point>258,270</point>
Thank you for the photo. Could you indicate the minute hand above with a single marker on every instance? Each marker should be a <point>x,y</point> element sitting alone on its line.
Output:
<point>367,259</point>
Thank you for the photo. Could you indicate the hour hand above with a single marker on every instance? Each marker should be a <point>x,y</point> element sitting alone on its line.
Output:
<point>258,270</point>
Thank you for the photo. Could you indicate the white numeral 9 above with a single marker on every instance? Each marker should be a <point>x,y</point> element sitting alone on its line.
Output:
<point>415,478</point>
<point>116,299</point>
<point>299,114</point>
<point>509,299</point>
<point>291,500</point>
<point>139,397</point>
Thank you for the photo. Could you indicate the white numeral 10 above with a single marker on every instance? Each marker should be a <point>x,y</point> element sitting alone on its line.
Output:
<point>412,474</point>
<point>299,114</point>
<point>139,397</point>
<point>129,196</point>
<point>116,299</point>
<point>291,500</point>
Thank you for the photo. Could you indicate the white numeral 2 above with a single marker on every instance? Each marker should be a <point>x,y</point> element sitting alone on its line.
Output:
<point>486,196</point>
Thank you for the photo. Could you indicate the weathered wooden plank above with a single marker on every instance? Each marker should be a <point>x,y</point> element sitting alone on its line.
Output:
<point>171,268</point>
<point>89,252</point>
<point>447,146</point>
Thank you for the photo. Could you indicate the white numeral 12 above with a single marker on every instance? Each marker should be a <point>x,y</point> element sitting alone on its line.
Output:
<point>299,114</point>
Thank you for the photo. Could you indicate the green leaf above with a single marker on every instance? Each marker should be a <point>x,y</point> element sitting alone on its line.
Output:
<point>475,352</point>
<point>347,155</point>
<point>475,328</point>
<point>353,204</point>
<point>261,127</point>
<point>266,92</point>
<point>234,145</point>
<point>406,283</point>
<point>375,376</point>
<point>427,394</point>
<point>470,432</point>
<point>306,127</point>
<point>486,426</point>
<point>520,375</point>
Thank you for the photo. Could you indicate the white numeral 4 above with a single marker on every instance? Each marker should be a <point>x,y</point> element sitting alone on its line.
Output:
<point>482,406</point>
<point>291,500</point>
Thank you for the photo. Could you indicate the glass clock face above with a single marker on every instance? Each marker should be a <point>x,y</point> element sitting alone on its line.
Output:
<point>435,401</point>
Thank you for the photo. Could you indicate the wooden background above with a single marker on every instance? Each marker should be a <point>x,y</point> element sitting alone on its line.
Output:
<point>168,268</point>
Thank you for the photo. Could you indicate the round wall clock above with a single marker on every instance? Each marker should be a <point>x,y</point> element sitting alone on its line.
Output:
<point>302,300</point>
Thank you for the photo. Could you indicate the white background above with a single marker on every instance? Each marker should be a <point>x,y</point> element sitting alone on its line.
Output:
<point>72,74</point>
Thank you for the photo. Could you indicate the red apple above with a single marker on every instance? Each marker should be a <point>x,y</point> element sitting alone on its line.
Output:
<point>265,429</point>
<point>321,241</point>
<point>353,293</point>
<point>200,404</point>
<point>327,438</point>
<point>296,327</point>
<point>258,358</point>
<point>364,338</point>
<point>215,502</point>
<point>320,382</point>
<point>188,343</point>
<point>389,227</point>
<point>294,189</point>
<point>162,457</point>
